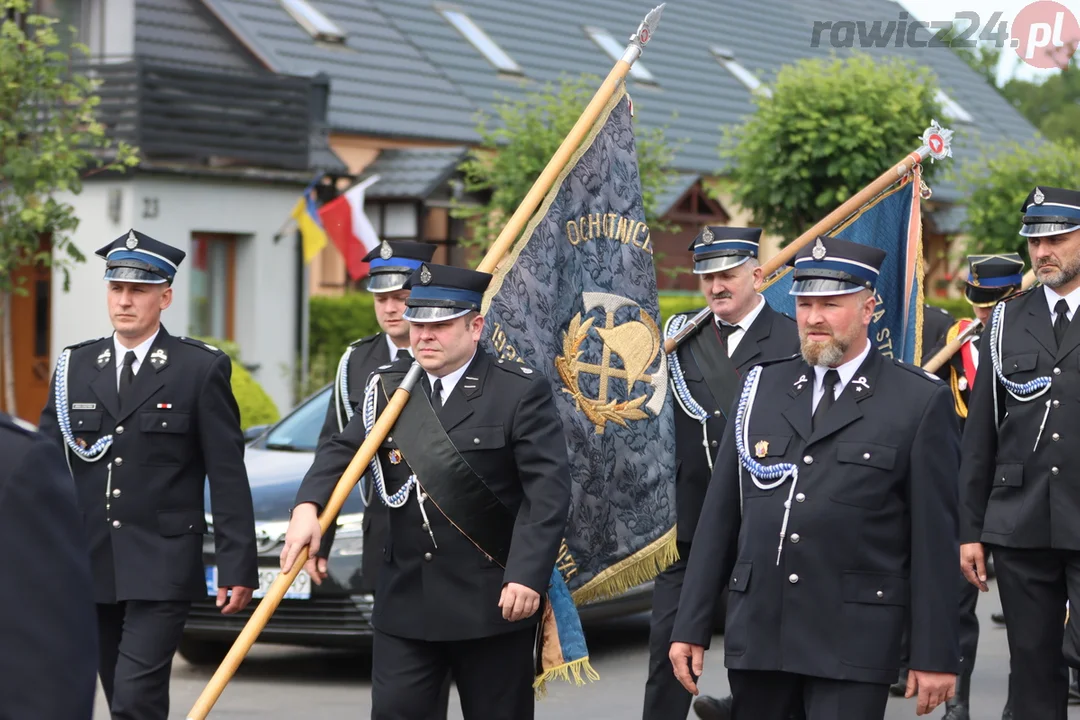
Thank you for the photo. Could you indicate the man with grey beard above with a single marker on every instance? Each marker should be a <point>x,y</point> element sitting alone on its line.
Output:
<point>1018,477</point>
<point>829,517</point>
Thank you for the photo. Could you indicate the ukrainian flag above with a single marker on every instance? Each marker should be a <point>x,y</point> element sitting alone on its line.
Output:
<point>306,215</point>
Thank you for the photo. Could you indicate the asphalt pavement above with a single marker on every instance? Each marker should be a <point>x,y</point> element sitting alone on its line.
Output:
<point>282,683</point>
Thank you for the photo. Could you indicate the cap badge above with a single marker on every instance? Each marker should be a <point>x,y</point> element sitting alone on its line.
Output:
<point>761,449</point>
<point>707,236</point>
<point>819,251</point>
<point>1038,197</point>
<point>385,251</point>
<point>425,275</point>
<point>132,241</point>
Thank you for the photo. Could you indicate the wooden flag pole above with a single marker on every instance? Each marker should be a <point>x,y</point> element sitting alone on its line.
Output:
<point>935,145</point>
<point>942,356</point>
<point>255,624</point>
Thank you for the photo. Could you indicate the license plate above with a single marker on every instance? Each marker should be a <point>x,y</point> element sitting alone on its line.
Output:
<point>299,590</point>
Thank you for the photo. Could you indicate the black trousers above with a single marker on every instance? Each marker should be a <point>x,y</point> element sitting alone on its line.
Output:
<point>665,698</point>
<point>1034,585</point>
<point>136,643</point>
<point>494,676</point>
<point>765,695</point>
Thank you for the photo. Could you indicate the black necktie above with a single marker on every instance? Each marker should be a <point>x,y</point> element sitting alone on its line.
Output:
<point>828,398</point>
<point>1061,324</point>
<point>403,354</point>
<point>725,334</point>
<point>436,394</point>
<point>127,378</point>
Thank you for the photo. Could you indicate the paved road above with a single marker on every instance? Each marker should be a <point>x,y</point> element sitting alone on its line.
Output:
<point>280,683</point>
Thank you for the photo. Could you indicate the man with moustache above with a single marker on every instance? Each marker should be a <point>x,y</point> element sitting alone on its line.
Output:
<point>1020,458</point>
<point>145,420</point>
<point>706,371</point>
<point>830,516</point>
<point>476,476</point>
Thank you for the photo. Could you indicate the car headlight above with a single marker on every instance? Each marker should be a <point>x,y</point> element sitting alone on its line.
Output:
<point>349,540</point>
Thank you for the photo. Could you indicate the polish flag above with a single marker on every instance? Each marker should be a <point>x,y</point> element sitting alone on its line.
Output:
<point>349,229</point>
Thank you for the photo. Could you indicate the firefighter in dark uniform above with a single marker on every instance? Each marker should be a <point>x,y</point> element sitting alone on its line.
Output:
<point>476,475</point>
<point>1019,462</point>
<point>936,324</point>
<point>830,516</point>
<point>705,377</point>
<point>48,667</point>
<point>144,418</point>
<point>991,279</point>
<point>389,267</point>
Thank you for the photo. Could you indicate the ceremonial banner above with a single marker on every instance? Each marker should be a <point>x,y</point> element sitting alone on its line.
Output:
<point>576,299</point>
<point>891,222</point>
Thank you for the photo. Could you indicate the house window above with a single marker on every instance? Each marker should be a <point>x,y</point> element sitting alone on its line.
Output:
<point>611,46</point>
<point>750,81</point>
<point>481,40</point>
<point>213,285</point>
<point>314,22</point>
<point>952,109</point>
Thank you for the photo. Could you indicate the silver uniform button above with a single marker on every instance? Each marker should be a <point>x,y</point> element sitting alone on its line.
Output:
<point>716,413</point>
<point>427,556</point>
<point>116,523</point>
<point>1053,471</point>
<point>795,537</point>
<point>793,578</point>
<point>808,460</point>
<point>476,441</point>
<point>800,497</point>
<point>118,462</point>
<point>164,424</point>
<point>1055,437</point>
<point>1056,403</point>
<point>116,492</point>
<point>866,456</point>
<point>119,429</point>
<point>1057,371</point>
<point>714,443</point>
<point>880,594</point>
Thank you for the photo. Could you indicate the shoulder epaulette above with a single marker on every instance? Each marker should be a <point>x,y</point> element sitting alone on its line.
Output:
<point>363,340</point>
<point>916,370</point>
<point>401,364</point>
<point>941,310</point>
<point>776,361</point>
<point>17,424</point>
<point>1020,294</point>
<point>85,342</point>
<point>516,368</point>
<point>200,344</point>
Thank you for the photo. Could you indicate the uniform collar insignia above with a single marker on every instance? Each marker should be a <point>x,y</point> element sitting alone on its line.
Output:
<point>860,383</point>
<point>104,357</point>
<point>159,358</point>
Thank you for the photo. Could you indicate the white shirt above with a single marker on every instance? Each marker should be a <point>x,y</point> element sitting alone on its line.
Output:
<point>451,380</point>
<point>846,371</point>
<point>1052,298</point>
<point>743,325</point>
<point>394,349</point>
<point>140,354</point>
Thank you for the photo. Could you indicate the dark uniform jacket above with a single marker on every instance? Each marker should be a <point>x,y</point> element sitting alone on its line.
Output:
<point>871,540</point>
<point>501,416</point>
<point>936,324</point>
<point>956,374</point>
<point>48,665</point>
<point>365,355</point>
<point>182,425</point>
<point>1013,496</point>
<point>772,335</point>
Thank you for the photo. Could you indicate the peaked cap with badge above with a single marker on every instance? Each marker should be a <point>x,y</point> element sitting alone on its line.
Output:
<point>441,292</point>
<point>139,258</point>
<point>992,278</point>
<point>831,266</point>
<point>1050,211</point>
<point>720,247</point>
<point>391,264</point>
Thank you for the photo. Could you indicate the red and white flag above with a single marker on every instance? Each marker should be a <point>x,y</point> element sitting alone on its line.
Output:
<point>349,228</point>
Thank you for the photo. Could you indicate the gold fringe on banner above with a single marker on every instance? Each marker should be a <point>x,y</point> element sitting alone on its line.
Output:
<point>642,566</point>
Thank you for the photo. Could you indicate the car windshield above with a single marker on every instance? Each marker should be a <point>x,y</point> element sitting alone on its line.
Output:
<point>299,431</point>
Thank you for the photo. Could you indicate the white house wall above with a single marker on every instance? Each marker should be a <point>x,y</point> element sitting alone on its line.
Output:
<point>265,282</point>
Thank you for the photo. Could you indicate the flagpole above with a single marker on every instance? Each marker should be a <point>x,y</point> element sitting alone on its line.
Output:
<point>389,415</point>
<point>935,145</point>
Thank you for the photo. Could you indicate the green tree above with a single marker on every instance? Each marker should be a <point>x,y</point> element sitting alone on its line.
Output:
<point>997,185</point>
<point>1053,105</point>
<point>521,136</point>
<point>49,139</point>
<point>828,128</point>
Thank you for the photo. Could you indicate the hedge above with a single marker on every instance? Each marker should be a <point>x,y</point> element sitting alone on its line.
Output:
<point>256,407</point>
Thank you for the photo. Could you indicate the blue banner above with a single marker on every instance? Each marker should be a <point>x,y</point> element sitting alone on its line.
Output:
<point>893,223</point>
<point>576,299</point>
